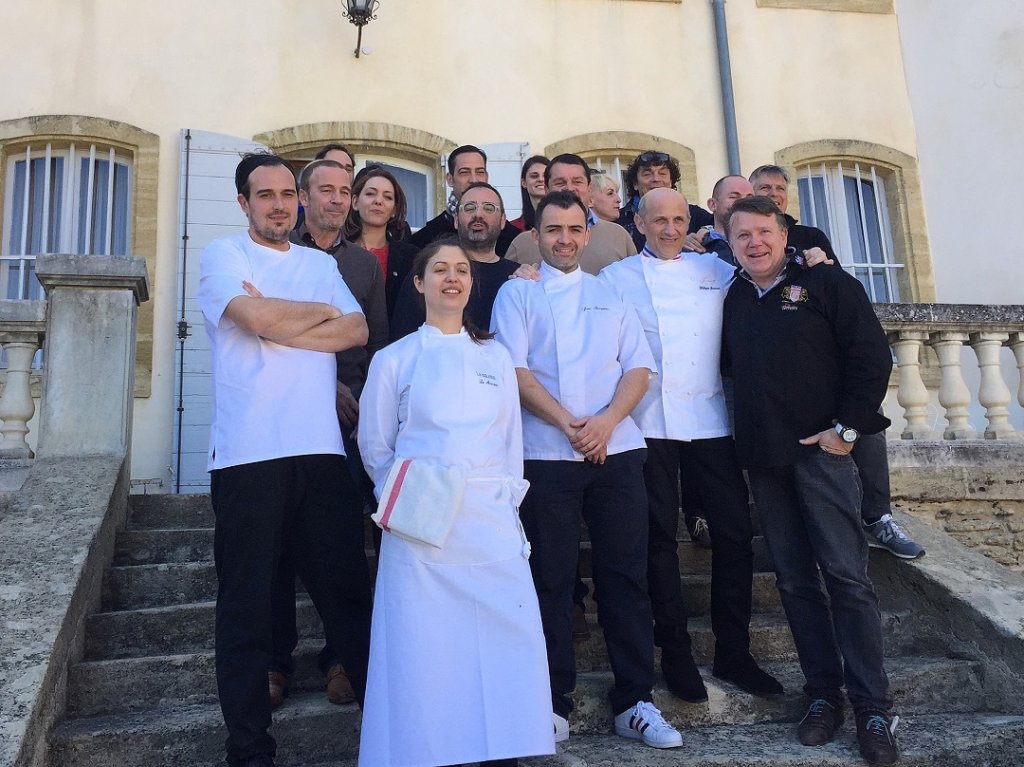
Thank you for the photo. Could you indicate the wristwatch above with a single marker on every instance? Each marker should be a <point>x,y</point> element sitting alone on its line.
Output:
<point>847,434</point>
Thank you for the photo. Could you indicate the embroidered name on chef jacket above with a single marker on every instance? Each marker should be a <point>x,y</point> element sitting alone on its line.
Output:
<point>793,295</point>
<point>596,309</point>
<point>709,283</point>
<point>487,379</point>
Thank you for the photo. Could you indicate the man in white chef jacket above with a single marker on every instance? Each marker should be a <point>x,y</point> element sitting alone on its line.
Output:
<point>678,297</point>
<point>275,314</point>
<point>582,365</point>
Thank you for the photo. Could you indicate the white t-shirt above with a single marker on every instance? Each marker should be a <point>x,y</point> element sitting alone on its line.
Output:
<point>578,337</point>
<point>679,303</point>
<point>269,401</point>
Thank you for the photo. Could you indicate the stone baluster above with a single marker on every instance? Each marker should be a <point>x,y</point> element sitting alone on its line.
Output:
<point>16,405</point>
<point>22,328</point>
<point>993,393</point>
<point>1016,344</point>
<point>912,393</point>
<point>954,395</point>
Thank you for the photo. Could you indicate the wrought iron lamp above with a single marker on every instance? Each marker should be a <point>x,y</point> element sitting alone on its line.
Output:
<point>360,13</point>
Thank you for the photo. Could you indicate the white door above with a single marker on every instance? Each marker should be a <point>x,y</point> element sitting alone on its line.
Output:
<point>207,209</point>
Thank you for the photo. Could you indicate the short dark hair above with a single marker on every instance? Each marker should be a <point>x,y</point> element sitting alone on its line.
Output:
<point>464,149</point>
<point>332,147</point>
<point>310,168</point>
<point>650,158</point>
<point>419,269</point>
<point>769,170</point>
<point>566,158</point>
<point>758,204</point>
<point>484,185</point>
<point>250,162</point>
<point>563,199</point>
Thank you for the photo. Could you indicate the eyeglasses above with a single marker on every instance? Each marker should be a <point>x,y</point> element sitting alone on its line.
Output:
<point>488,207</point>
<point>653,158</point>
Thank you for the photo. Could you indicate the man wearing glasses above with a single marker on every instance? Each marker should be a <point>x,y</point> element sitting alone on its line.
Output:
<point>479,220</point>
<point>654,170</point>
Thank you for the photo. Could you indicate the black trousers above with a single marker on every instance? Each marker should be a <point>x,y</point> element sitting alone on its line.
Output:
<point>612,500</point>
<point>307,508</point>
<point>710,468</point>
<point>872,459</point>
<point>286,635</point>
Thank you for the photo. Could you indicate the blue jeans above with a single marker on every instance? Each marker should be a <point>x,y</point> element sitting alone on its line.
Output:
<point>810,515</point>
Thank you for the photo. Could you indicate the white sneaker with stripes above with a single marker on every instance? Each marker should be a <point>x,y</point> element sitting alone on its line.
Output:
<point>645,722</point>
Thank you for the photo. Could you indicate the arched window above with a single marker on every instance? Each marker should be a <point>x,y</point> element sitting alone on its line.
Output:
<point>867,199</point>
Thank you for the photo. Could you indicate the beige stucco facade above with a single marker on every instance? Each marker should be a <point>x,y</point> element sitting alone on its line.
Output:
<point>539,71</point>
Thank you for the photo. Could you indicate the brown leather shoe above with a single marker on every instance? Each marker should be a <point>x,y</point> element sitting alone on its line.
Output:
<point>278,688</point>
<point>339,689</point>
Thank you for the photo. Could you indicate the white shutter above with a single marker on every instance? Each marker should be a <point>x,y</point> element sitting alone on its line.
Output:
<point>207,209</point>
<point>504,164</point>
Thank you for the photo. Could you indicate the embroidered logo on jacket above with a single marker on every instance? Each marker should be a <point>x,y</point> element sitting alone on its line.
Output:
<point>709,283</point>
<point>794,294</point>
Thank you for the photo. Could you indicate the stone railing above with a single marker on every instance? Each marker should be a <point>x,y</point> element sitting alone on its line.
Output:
<point>946,329</point>
<point>22,329</point>
<point>87,325</point>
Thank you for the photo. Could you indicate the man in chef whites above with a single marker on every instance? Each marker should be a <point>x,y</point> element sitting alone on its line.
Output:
<point>579,378</point>
<point>678,297</point>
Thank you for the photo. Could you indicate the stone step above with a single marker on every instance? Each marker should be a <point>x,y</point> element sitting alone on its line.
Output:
<point>123,684</point>
<point>166,510</point>
<point>310,730</point>
<point>168,583</point>
<point>174,545</point>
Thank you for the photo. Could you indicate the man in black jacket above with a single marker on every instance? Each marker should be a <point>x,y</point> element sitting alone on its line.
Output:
<point>882,531</point>
<point>467,165</point>
<point>811,365</point>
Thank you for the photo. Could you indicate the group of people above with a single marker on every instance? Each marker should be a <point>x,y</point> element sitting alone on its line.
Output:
<point>565,353</point>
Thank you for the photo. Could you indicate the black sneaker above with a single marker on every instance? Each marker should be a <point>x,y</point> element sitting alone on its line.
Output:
<point>682,677</point>
<point>875,737</point>
<point>819,723</point>
<point>748,676</point>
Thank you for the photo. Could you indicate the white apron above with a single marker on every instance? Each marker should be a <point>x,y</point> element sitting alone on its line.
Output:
<point>458,666</point>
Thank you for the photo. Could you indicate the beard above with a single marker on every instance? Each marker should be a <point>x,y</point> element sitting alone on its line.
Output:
<point>479,241</point>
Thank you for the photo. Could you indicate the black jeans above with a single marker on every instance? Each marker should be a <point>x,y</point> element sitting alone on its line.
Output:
<point>872,459</point>
<point>710,469</point>
<point>305,507</point>
<point>612,500</point>
<point>810,515</point>
<point>286,635</point>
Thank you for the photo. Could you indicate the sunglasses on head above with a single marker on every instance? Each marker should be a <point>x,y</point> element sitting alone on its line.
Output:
<point>653,158</point>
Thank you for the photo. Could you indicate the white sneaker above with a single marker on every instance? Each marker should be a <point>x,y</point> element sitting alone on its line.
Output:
<point>645,722</point>
<point>561,727</point>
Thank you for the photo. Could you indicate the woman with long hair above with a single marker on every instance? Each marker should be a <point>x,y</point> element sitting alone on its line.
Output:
<point>532,187</point>
<point>458,665</point>
<point>377,223</point>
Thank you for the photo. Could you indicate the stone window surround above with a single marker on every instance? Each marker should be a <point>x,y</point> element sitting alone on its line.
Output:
<point>902,182</point>
<point>410,144</point>
<point>144,148</point>
<point>629,144</point>
<point>842,6</point>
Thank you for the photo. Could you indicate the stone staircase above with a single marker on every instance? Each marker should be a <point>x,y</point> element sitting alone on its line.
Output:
<point>145,694</point>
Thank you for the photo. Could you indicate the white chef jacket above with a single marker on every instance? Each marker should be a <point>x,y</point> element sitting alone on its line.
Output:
<point>269,401</point>
<point>578,337</point>
<point>679,303</point>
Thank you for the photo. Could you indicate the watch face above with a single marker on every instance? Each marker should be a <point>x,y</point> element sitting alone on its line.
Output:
<point>849,435</point>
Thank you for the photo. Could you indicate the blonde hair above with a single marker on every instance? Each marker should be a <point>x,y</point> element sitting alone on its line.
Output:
<point>601,181</point>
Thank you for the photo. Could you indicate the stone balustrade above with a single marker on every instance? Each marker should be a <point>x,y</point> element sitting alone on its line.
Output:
<point>924,381</point>
<point>22,330</point>
<point>946,329</point>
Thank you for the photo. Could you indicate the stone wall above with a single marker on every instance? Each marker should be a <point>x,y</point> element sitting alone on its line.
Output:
<point>972,490</point>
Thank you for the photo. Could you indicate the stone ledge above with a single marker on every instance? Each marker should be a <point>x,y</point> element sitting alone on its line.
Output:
<point>955,316</point>
<point>56,535</point>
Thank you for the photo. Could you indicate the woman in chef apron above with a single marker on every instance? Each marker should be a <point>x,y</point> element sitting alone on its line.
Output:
<point>458,666</point>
